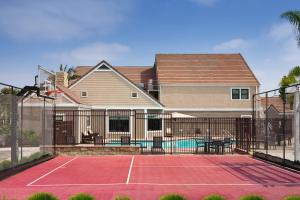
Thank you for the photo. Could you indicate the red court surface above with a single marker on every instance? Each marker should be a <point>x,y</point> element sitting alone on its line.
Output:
<point>149,176</point>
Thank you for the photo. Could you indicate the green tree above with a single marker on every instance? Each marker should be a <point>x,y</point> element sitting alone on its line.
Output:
<point>70,71</point>
<point>293,16</point>
<point>292,78</point>
<point>8,90</point>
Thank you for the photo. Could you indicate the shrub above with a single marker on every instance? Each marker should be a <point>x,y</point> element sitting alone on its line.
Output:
<point>5,164</point>
<point>31,138</point>
<point>122,198</point>
<point>292,197</point>
<point>24,160</point>
<point>42,196</point>
<point>172,197</point>
<point>82,196</point>
<point>35,156</point>
<point>252,197</point>
<point>214,197</point>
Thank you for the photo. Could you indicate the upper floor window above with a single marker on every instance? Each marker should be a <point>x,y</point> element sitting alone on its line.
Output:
<point>84,94</point>
<point>134,95</point>
<point>240,93</point>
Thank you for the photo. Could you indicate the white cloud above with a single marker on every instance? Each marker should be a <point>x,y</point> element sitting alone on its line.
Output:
<point>291,53</point>
<point>233,45</point>
<point>90,54</point>
<point>281,31</point>
<point>61,19</point>
<point>205,2</point>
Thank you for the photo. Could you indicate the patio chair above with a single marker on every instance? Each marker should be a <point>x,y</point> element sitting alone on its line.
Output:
<point>98,139</point>
<point>200,143</point>
<point>87,138</point>
<point>125,140</point>
<point>216,145</point>
<point>227,144</point>
<point>157,146</point>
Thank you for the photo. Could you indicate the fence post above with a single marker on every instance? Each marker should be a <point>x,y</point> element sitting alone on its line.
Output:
<point>283,130</point>
<point>253,128</point>
<point>13,129</point>
<point>134,115</point>
<point>171,118</point>
<point>54,129</point>
<point>266,125</point>
<point>209,140</point>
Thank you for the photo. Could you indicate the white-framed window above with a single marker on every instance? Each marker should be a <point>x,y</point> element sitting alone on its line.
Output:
<point>134,95</point>
<point>119,123</point>
<point>154,123</point>
<point>240,93</point>
<point>84,94</point>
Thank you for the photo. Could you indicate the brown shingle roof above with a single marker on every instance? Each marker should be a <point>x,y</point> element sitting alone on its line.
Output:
<point>136,74</point>
<point>203,68</point>
<point>70,94</point>
<point>277,102</point>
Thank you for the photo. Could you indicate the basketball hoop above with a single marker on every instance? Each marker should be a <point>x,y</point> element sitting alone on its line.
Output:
<point>49,92</point>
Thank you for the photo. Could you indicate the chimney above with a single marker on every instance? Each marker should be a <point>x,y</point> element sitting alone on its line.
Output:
<point>62,79</point>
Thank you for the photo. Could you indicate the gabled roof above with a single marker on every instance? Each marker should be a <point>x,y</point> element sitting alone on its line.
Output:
<point>275,102</point>
<point>203,69</point>
<point>70,94</point>
<point>137,74</point>
<point>92,69</point>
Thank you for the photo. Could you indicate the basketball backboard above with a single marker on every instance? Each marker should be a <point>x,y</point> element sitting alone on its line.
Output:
<point>45,81</point>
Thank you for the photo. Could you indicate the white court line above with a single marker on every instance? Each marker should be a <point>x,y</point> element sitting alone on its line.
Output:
<point>216,184</point>
<point>191,166</point>
<point>129,171</point>
<point>79,184</point>
<point>171,184</point>
<point>30,184</point>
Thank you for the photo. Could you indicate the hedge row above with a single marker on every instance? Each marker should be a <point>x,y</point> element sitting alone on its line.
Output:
<point>85,196</point>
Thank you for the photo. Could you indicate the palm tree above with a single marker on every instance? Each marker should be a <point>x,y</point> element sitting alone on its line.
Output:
<point>70,71</point>
<point>292,78</point>
<point>293,17</point>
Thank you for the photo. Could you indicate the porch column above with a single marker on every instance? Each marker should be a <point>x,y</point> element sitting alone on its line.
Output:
<point>145,124</point>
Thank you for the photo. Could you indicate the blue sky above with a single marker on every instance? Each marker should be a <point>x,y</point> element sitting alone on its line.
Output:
<point>131,32</point>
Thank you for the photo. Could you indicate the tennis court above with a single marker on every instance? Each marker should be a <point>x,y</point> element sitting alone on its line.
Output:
<point>149,176</point>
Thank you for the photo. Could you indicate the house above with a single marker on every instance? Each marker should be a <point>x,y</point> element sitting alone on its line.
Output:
<point>195,85</point>
<point>274,108</point>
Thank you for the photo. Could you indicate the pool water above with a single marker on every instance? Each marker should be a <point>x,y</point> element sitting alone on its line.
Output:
<point>183,143</point>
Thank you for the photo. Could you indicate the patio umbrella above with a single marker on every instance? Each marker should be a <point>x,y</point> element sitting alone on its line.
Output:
<point>181,115</point>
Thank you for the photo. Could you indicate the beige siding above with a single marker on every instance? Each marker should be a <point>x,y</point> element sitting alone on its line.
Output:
<point>105,88</point>
<point>62,99</point>
<point>202,97</point>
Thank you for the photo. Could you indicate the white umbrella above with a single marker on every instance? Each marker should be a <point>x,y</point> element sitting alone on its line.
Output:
<point>181,115</point>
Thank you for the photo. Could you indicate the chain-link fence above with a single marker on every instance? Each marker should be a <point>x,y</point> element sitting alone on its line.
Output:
<point>26,127</point>
<point>275,125</point>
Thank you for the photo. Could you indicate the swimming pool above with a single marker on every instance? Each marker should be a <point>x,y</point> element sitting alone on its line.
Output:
<point>179,143</point>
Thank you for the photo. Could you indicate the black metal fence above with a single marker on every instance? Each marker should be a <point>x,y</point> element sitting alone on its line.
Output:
<point>26,126</point>
<point>274,125</point>
<point>152,132</point>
